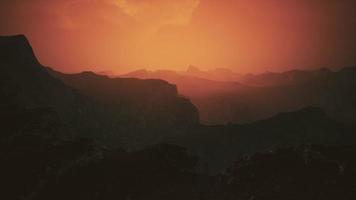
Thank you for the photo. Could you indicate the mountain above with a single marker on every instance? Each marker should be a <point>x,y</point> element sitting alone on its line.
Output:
<point>127,112</point>
<point>218,146</point>
<point>254,97</point>
<point>284,78</point>
<point>331,91</point>
<point>187,84</point>
<point>197,89</point>
<point>155,101</point>
<point>217,74</point>
<point>270,93</point>
<point>25,86</point>
<point>88,136</point>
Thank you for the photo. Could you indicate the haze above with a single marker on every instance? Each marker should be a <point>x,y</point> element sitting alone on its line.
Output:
<point>244,35</point>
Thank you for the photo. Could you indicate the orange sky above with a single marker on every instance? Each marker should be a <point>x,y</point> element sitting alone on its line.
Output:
<point>244,35</point>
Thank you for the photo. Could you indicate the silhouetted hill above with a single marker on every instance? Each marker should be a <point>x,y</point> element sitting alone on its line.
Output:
<point>280,92</point>
<point>116,90</point>
<point>119,111</point>
<point>332,91</point>
<point>217,74</point>
<point>17,49</point>
<point>284,78</point>
<point>62,136</point>
<point>197,89</point>
<point>220,145</point>
<point>188,83</point>
<point>150,104</point>
<point>25,85</point>
<point>254,97</point>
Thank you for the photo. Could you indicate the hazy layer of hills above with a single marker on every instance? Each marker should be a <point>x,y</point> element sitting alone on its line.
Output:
<point>132,113</point>
<point>223,96</point>
<point>88,136</point>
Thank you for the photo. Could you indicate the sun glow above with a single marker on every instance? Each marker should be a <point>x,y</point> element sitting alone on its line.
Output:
<point>158,13</point>
<point>245,35</point>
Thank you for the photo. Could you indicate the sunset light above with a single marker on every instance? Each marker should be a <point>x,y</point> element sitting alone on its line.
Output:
<point>177,99</point>
<point>124,35</point>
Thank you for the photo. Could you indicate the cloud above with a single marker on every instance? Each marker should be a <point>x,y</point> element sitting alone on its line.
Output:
<point>76,14</point>
<point>158,13</point>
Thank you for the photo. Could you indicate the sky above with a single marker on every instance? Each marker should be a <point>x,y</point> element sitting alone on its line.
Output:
<point>243,35</point>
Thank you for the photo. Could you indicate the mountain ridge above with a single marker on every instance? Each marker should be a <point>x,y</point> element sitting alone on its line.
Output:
<point>27,86</point>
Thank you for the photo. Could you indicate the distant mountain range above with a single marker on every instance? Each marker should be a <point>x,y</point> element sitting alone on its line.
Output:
<point>132,114</point>
<point>88,136</point>
<point>223,96</point>
<point>218,74</point>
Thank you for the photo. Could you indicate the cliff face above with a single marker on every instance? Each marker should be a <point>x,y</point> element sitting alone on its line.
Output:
<point>87,104</point>
<point>155,101</point>
<point>16,49</point>
<point>25,86</point>
<point>116,88</point>
<point>24,81</point>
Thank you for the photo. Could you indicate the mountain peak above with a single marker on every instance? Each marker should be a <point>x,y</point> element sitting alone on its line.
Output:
<point>138,73</point>
<point>17,49</point>
<point>11,38</point>
<point>193,69</point>
<point>92,74</point>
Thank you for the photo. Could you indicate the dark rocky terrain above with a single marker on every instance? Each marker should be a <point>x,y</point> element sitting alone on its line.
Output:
<point>87,136</point>
<point>252,97</point>
<point>89,105</point>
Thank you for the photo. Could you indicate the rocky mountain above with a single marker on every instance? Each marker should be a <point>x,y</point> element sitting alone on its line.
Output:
<point>331,91</point>
<point>217,74</point>
<point>88,136</point>
<point>118,111</point>
<point>200,90</point>
<point>154,100</point>
<point>254,97</point>
<point>26,86</point>
<point>218,146</point>
<point>188,83</point>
